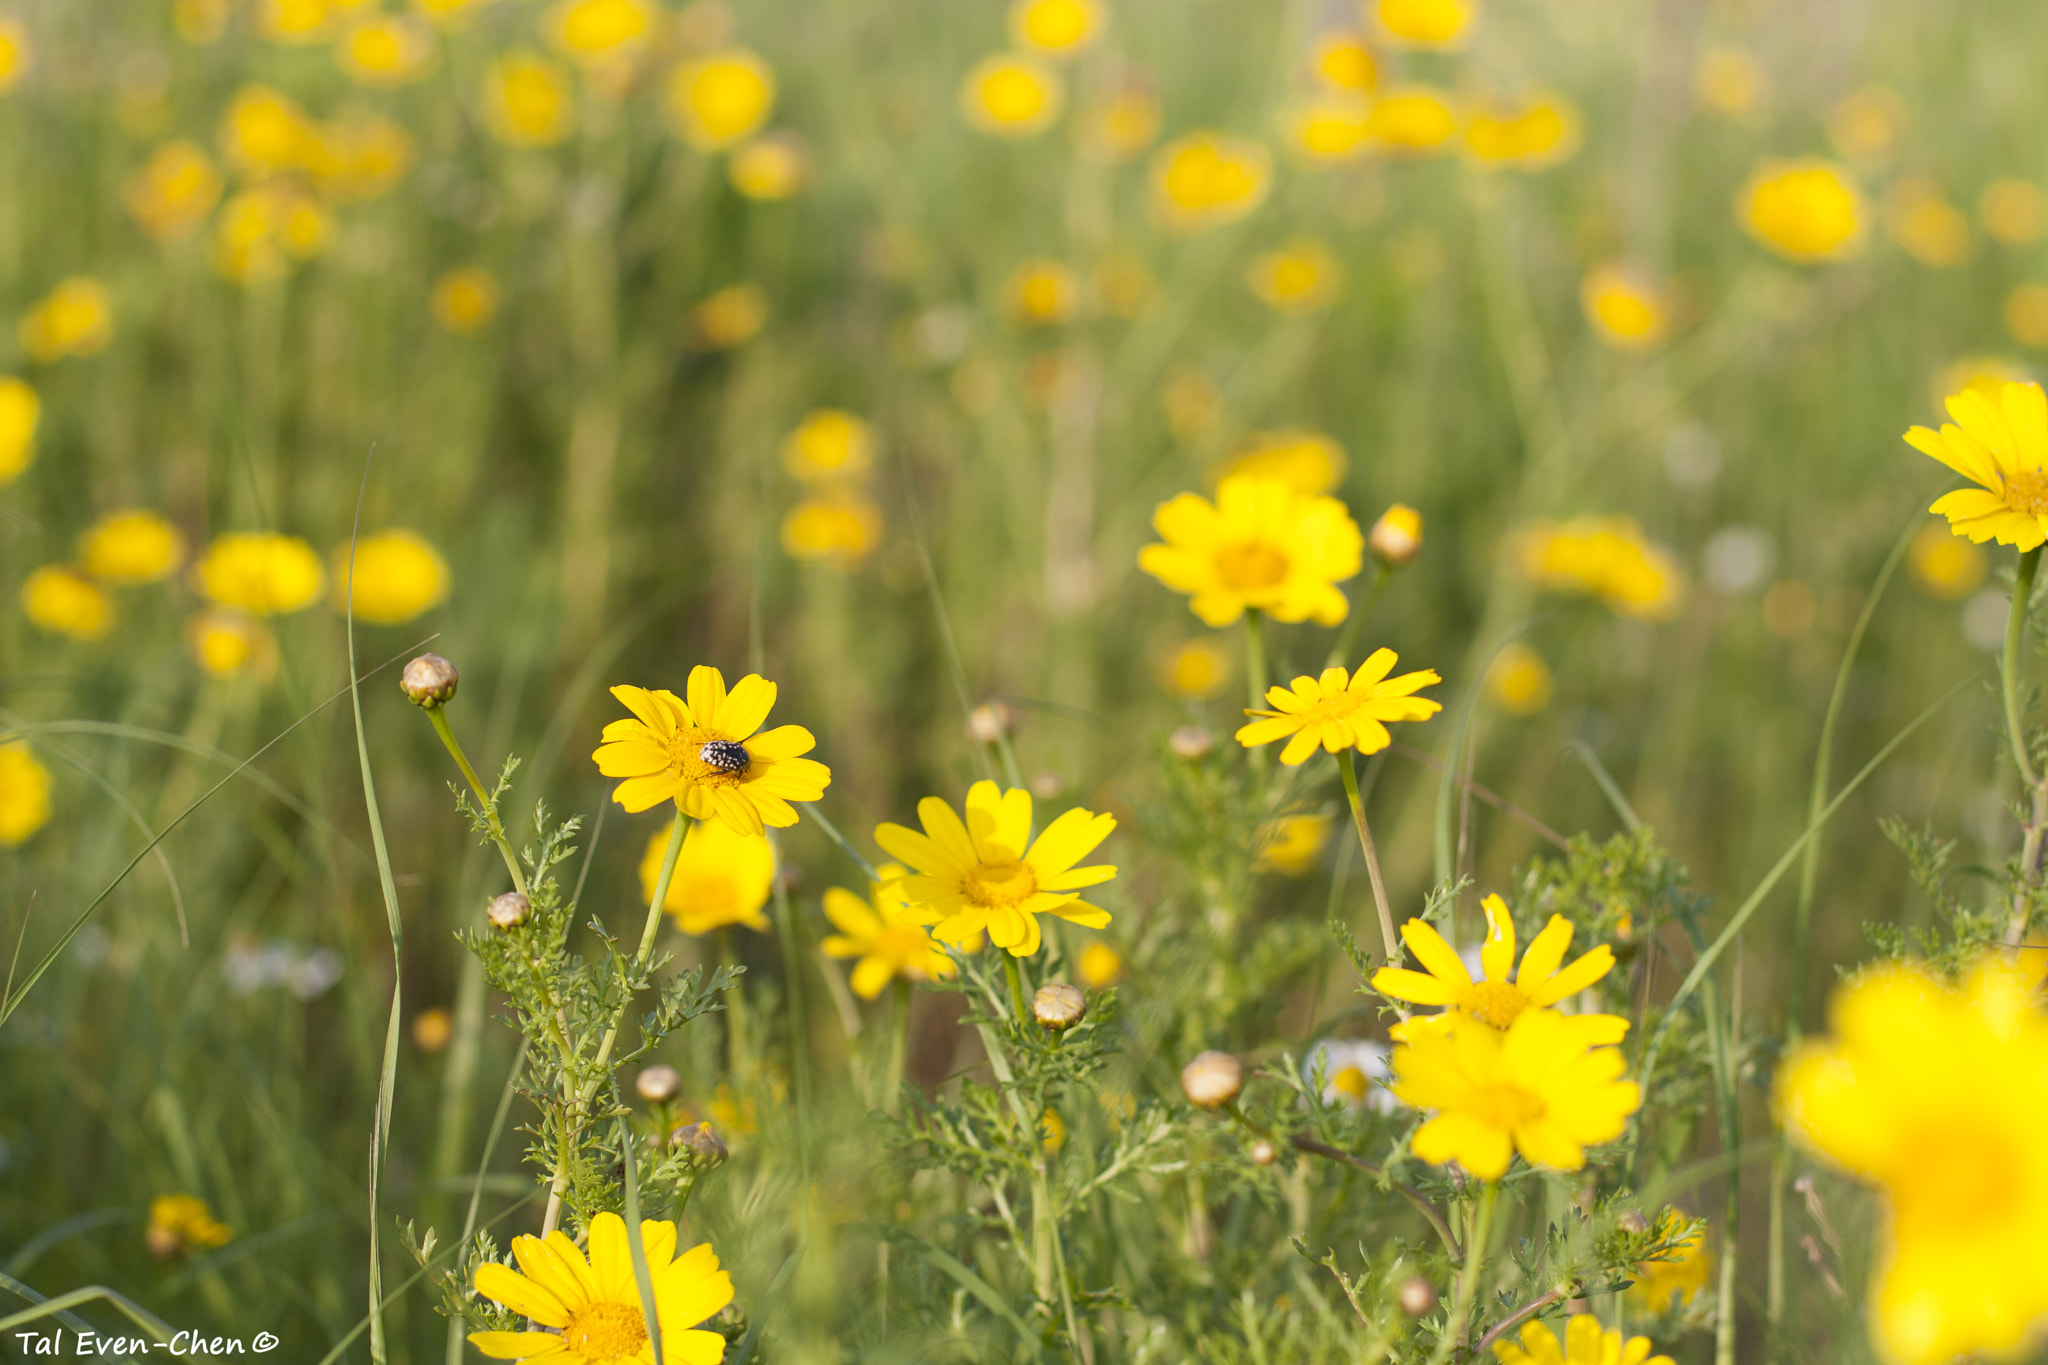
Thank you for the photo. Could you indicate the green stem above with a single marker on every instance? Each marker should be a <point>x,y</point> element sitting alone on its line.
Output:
<point>1347,769</point>
<point>799,1034</point>
<point>1347,639</point>
<point>1020,1011</point>
<point>2008,667</point>
<point>490,806</point>
<point>1468,1278</point>
<point>899,1043</point>
<point>1255,655</point>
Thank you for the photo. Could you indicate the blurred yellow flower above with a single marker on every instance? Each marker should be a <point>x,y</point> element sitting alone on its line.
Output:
<point>1206,179</point>
<point>1196,670</point>
<point>885,932</point>
<point>1427,23</point>
<point>722,878</point>
<point>1396,537</point>
<point>1100,966</point>
<point>1628,307</point>
<point>1299,278</point>
<point>2026,314</point>
<point>1584,1344</point>
<point>1124,124</point>
<point>1605,556</point>
<point>1414,120</point>
<point>1539,1088</point>
<point>1340,710</point>
<point>1011,96</point>
<point>1938,1095</point>
<point>2000,444</point>
<point>432,1030</point>
<point>397,576</point>
<point>828,446</point>
<point>1042,293</point>
<point>1944,564</point>
<point>293,21</point>
<point>1261,545</point>
<point>173,191</point>
<point>131,546</point>
<point>1308,462</point>
<point>1341,60</point>
<point>1539,132</point>
<point>265,133</point>
<point>1728,81</point>
<point>1804,210</point>
<point>63,601</point>
<point>840,528</point>
<point>448,13</point>
<point>360,157</point>
<point>772,166</point>
<point>1058,28</point>
<point>1336,126</point>
<point>1987,374</point>
<point>21,412</point>
<point>527,101</point>
<point>74,319</point>
<point>227,642</point>
<point>259,232</point>
<point>598,30</point>
<point>199,21</point>
<point>15,53</point>
<point>1052,1130</point>
<point>1920,218</point>
<point>731,316</point>
<point>180,1222</point>
<point>1867,124</point>
<point>385,50</point>
<point>261,572</point>
<point>703,753</point>
<point>24,794</point>
<point>2015,212</point>
<point>988,874</point>
<point>1680,1275</point>
<point>718,99</point>
<point>1293,844</point>
<point>1519,681</point>
<point>464,299</point>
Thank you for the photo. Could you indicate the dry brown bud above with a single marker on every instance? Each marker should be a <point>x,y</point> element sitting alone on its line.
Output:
<point>658,1084</point>
<point>1417,1296</point>
<point>164,1243</point>
<point>705,1147</point>
<point>1634,1222</point>
<point>988,722</point>
<point>1264,1153</point>
<point>430,681</point>
<point>1190,742</point>
<point>1212,1080</point>
<point>508,911</point>
<point>1058,1006</point>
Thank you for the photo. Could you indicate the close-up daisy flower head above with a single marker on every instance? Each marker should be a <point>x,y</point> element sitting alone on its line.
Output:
<point>2001,445</point>
<point>1501,994</point>
<point>1261,545</point>
<point>1341,710</point>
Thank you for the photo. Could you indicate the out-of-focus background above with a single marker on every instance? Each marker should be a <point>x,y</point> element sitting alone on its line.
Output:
<point>638,335</point>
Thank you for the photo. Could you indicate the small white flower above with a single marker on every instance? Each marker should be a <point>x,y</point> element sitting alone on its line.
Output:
<point>1354,1071</point>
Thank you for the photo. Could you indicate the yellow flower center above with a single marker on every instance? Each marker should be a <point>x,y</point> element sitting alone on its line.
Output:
<point>1251,566</point>
<point>1494,1003</point>
<point>1506,1106</point>
<point>604,1330</point>
<point>2027,491</point>
<point>701,758</point>
<point>999,885</point>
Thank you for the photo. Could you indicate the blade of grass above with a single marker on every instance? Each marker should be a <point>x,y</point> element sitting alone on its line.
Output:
<point>1603,779</point>
<point>92,1293</point>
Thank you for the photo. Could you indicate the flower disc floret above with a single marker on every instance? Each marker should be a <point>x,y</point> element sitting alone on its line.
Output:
<point>1261,544</point>
<point>1340,711</point>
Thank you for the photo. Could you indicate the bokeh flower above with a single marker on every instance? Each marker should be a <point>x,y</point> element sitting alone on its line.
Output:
<point>527,101</point>
<point>1607,557</point>
<point>131,546</point>
<point>293,21</point>
<point>1494,1000</point>
<point>1919,217</point>
<point>1100,966</point>
<point>1728,81</point>
<point>21,412</point>
<point>1807,211</point>
<point>1414,120</point>
<point>180,1222</point>
<point>1293,844</point>
<point>174,191</point>
<point>730,317</point>
<point>1299,278</point>
<point>1681,1274</point>
<point>261,572</point>
<point>464,299</point>
<point>62,601</point>
<point>74,319</point>
<point>770,167</point>
<point>886,932</point>
<point>1309,462</point>
<point>986,874</point>
<point>1206,179</point>
<point>705,755</point>
<point>598,30</point>
<point>1585,1343</point>
<point>1340,59</point>
<point>1042,293</point>
<point>721,877</point>
<point>719,99</point>
<point>1531,135</point>
<point>1334,127</point>
<point>1260,545</point>
<point>392,576</point>
<point>1426,23</point>
<point>2026,314</point>
<point>1197,669</point>
<point>1519,680</point>
<point>1011,96</point>
<point>260,232</point>
<point>2015,212</point>
<point>2002,447</point>
<point>840,528</point>
<point>385,50</point>
<point>1060,29</point>
<point>264,132</point>
<point>830,445</point>
<point>229,642</point>
<point>362,156</point>
<point>24,794</point>
<point>16,53</point>
<point>1866,124</point>
<point>1539,1088</point>
<point>1628,307</point>
<point>594,1302</point>
<point>1938,1095</point>
<point>1340,710</point>
<point>1123,123</point>
<point>1945,564</point>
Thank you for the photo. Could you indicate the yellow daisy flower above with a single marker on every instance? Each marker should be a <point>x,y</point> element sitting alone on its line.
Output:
<point>1340,711</point>
<point>174,190</point>
<point>721,877</point>
<point>1585,1343</point>
<point>181,1221</point>
<point>704,754</point>
<point>1207,179</point>
<point>887,934</point>
<point>1011,96</point>
<point>1806,210</point>
<point>1540,1089</point>
<point>396,576</point>
<point>24,794</point>
<point>1493,1000</point>
<point>988,874</point>
<point>59,599</point>
<point>21,412</point>
<point>131,546</point>
<point>2001,446</point>
<point>1681,1274</point>
<point>1261,545</point>
<point>594,1304</point>
<point>261,572</point>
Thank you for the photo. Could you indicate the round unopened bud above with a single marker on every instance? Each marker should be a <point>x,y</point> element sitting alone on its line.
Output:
<point>1633,1222</point>
<point>704,1148</point>
<point>1417,1296</point>
<point>1264,1153</point>
<point>430,681</point>
<point>1190,742</point>
<point>988,722</point>
<point>1058,1006</point>
<point>1212,1080</point>
<point>163,1243</point>
<point>1397,536</point>
<point>658,1084</point>
<point>508,911</point>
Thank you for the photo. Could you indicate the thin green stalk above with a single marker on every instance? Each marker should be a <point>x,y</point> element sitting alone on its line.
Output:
<point>1721,1037</point>
<point>438,716</point>
<point>1468,1278</point>
<point>832,833</point>
<point>1019,1011</point>
<point>1348,771</point>
<point>799,1034</point>
<point>2008,664</point>
<point>899,1043</point>
<point>1255,655</point>
<point>1347,639</point>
